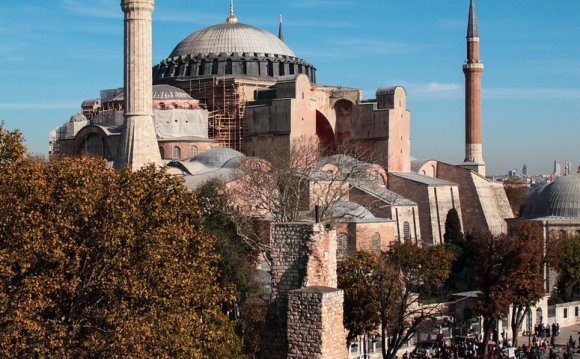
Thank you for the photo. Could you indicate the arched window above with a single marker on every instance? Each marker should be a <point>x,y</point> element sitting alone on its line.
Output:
<point>342,246</point>
<point>162,152</point>
<point>270,66</point>
<point>291,69</point>
<point>229,68</point>
<point>176,153</point>
<point>376,243</point>
<point>243,67</point>
<point>281,69</point>
<point>299,69</point>
<point>406,231</point>
<point>188,69</point>
<point>214,67</point>
<point>193,151</point>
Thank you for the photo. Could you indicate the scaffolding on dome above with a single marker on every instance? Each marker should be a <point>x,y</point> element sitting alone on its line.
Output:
<point>225,101</point>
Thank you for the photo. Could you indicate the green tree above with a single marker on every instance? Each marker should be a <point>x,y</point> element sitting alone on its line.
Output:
<point>102,263</point>
<point>453,233</point>
<point>358,276</point>
<point>565,258</point>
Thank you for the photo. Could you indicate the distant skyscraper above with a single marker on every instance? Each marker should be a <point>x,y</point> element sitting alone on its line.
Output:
<point>525,170</point>
<point>557,168</point>
<point>566,168</point>
<point>512,173</point>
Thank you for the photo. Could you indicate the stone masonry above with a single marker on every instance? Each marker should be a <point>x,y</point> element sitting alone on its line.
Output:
<point>304,267</point>
<point>315,317</point>
<point>138,144</point>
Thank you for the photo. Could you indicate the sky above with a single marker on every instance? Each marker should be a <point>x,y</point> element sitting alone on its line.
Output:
<point>55,54</point>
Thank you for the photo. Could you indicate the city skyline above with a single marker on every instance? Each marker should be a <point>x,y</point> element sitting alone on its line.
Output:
<point>52,57</point>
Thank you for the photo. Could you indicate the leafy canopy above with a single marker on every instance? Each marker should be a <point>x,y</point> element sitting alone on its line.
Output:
<point>99,263</point>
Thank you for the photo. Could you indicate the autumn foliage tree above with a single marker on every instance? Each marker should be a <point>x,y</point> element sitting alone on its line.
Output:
<point>401,280</point>
<point>508,272</point>
<point>100,263</point>
<point>565,259</point>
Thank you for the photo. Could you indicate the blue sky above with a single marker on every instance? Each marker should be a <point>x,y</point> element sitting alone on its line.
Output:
<point>54,54</point>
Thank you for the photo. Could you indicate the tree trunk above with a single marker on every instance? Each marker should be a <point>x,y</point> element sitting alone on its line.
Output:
<point>518,315</point>
<point>487,328</point>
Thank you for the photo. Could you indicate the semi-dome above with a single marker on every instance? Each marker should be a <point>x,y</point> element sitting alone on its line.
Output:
<point>163,93</point>
<point>78,117</point>
<point>558,199</point>
<point>230,38</point>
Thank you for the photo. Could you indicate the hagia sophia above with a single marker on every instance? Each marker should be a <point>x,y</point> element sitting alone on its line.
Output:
<point>232,92</point>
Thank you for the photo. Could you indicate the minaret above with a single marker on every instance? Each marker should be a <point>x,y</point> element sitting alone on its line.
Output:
<point>473,70</point>
<point>281,30</point>
<point>138,145</point>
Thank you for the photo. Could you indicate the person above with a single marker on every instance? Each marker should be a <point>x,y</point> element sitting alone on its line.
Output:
<point>557,329</point>
<point>553,340</point>
<point>553,354</point>
<point>571,342</point>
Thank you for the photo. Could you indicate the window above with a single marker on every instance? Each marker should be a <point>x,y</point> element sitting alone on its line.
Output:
<point>270,65</point>
<point>193,151</point>
<point>342,246</point>
<point>201,70</point>
<point>243,67</point>
<point>565,312</point>
<point>291,69</point>
<point>281,68</point>
<point>406,231</point>
<point>176,153</point>
<point>576,311</point>
<point>214,67</point>
<point>162,152</point>
<point>376,243</point>
<point>229,68</point>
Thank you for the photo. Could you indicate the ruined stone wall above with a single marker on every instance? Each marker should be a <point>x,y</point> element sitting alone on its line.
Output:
<point>315,317</point>
<point>303,254</point>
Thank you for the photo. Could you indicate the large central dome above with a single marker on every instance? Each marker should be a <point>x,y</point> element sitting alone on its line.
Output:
<point>231,38</point>
<point>231,49</point>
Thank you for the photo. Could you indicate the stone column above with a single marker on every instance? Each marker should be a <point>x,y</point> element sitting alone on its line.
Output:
<point>138,145</point>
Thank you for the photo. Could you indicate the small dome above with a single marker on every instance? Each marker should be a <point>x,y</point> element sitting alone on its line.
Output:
<point>220,157</point>
<point>163,93</point>
<point>558,199</point>
<point>79,117</point>
<point>231,38</point>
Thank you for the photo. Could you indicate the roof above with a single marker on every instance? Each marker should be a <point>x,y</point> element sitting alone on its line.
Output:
<point>383,194</point>
<point>416,164</point>
<point>472,24</point>
<point>231,38</point>
<point>415,177</point>
<point>560,198</point>
<point>163,93</point>
<point>349,210</point>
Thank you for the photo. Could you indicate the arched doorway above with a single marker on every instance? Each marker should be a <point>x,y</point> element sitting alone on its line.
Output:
<point>325,133</point>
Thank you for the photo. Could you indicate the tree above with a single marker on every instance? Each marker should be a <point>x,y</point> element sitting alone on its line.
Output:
<point>453,233</point>
<point>358,276</point>
<point>11,147</point>
<point>410,275</point>
<point>99,263</point>
<point>400,280</point>
<point>565,258</point>
<point>526,282</point>
<point>517,193</point>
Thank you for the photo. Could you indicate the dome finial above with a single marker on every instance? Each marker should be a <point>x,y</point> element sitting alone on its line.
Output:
<point>232,19</point>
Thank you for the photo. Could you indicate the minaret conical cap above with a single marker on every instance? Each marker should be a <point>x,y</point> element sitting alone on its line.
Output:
<point>232,19</point>
<point>472,25</point>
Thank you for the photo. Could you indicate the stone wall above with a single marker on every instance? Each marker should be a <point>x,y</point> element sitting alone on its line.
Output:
<point>315,317</point>
<point>303,254</point>
<point>484,204</point>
